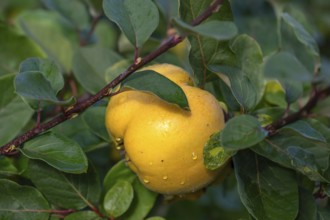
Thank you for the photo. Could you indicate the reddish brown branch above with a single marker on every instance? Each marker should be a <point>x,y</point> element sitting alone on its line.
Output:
<point>303,112</point>
<point>11,148</point>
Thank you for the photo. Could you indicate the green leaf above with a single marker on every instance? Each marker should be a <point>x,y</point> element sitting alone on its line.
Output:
<point>286,67</point>
<point>267,190</point>
<point>306,130</point>
<point>11,103</point>
<point>10,56</point>
<point>45,28</point>
<point>118,199</point>
<point>94,119</point>
<point>60,152</point>
<point>85,215</point>
<point>307,205</point>
<point>155,218</point>
<point>241,86</point>
<point>170,9</point>
<point>137,19</point>
<point>90,65</point>
<point>323,214</point>
<point>242,132</point>
<point>74,11</point>
<point>142,203</point>
<point>158,84</point>
<point>68,191</point>
<point>21,202</point>
<point>294,151</point>
<point>219,30</point>
<point>274,94</point>
<point>48,68</point>
<point>119,171</point>
<point>214,154</point>
<point>206,51</point>
<point>7,167</point>
<point>293,90</point>
<point>302,35</point>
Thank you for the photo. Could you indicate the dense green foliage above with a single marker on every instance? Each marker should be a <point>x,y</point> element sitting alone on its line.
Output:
<point>264,60</point>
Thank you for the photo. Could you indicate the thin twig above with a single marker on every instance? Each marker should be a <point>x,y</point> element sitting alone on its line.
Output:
<point>11,148</point>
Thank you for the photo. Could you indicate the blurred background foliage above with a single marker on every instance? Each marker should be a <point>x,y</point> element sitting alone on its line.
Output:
<point>36,28</point>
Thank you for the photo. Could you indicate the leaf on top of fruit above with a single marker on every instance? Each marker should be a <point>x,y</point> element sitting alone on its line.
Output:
<point>137,19</point>
<point>118,198</point>
<point>59,152</point>
<point>267,190</point>
<point>65,190</point>
<point>21,202</point>
<point>39,81</point>
<point>214,154</point>
<point>242,132</point>
<point>218,30</point>
<point>151,81</point>
<point>285,66</point>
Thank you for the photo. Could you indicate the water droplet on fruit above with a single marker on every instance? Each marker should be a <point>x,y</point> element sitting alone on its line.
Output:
<point>165,177</point>
<point>194,156</point>
<point>146,181</point>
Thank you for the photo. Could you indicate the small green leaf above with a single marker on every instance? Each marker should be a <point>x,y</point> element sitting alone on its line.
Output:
<point>155,218</point>
<point>9,103</point>
<point>58,151</point>
<point>142,203</point>
<point>214,154</point>
<point>302,35</point>
<point>21,202</point>
<point>158,84</point>
<point>7,167</point>
<point>286,67</point>
<point>137,19</point>
<point>94,118</point>
<point>48,68</point>
<point>90,64</point>
<point>293,90</point>
<point>242,132</point>
<point>306,130</point>
<point>241,86</point>
<point>267,190</point>
<point>85,215</point>
<point>68,191</point>
<point>120,171</point>
<point>219,30</point>
<point>118,199</point>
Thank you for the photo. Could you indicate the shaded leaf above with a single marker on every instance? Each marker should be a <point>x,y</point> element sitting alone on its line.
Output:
<point>136,19</point>
<point>142,203</point>
<point>119,171</point>
<point>293,90</point>
<point>86,215</point>
<point>306,130</point>
<point>242,132</point>
<point>170,9</point>
<point>275,94</point>
<point>7,167</point>
<point>68,191</point>
<point>9,103</point>
<point>21,202</point>
<point>10,55</point>
<point>219,30</point>
<point>307,205</point>
<point>90,65</point>
<point>292,150</point>
<point>94,118</point>
<point>60,152</point>
<point>302,35</point>
<point>158,84</point>
<point>214,154</point>
<point>118,199</point>
<point>267,190</point>
<point>285,66</point>
<point>46,30</point>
